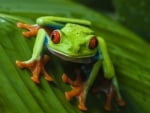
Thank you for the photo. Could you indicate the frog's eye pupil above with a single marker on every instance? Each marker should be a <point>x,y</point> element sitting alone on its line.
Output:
<point>55,37</point>
<point>93,43</point>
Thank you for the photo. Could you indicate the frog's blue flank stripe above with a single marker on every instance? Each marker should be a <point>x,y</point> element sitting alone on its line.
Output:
<point>53,27</point>
<point>98,56</point>
<point>46,40</point>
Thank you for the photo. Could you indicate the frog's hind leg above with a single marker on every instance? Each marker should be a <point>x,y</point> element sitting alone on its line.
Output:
<point>109,97</point>
<point>105,86</point>
<point>75,84</point>
<point>113,92</point>
<point>77,89</point>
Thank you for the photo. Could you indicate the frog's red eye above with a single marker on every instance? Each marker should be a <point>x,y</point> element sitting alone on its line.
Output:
<point>55,36</point>
<point>93,43</point>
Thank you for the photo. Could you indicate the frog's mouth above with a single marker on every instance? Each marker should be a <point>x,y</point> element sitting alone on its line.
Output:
<point>87,59</point>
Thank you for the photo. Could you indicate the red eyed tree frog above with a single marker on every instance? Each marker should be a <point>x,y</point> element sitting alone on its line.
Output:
<point>71,40</point>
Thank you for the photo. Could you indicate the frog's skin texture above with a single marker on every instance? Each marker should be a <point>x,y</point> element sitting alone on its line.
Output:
<point>72,40</point>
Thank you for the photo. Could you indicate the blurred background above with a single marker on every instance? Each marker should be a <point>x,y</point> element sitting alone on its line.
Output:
<point>134,14</point>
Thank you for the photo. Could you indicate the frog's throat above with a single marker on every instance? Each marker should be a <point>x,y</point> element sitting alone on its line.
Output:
<point>79,59</point>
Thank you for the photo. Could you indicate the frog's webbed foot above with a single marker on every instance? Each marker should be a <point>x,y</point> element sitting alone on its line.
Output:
<point>37,68</point>
<point>32,29</point>
<point>77,90</point>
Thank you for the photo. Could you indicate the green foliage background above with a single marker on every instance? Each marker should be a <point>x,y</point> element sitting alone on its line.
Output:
<point>18,94</point>
<point>135,15</point>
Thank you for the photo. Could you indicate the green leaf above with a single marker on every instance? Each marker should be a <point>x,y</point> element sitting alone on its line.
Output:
<point>130,55</point>
<point>135,15</point>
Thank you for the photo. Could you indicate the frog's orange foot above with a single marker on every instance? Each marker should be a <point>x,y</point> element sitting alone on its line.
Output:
<point>33,29</point>
<point>36,67</point>
<point>77,91</point>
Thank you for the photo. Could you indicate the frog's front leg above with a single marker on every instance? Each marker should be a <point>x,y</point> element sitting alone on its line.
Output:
<point>36,63</point>
<point>109,73</point>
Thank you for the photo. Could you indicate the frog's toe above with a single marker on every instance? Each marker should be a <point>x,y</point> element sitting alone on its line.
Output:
<point>27,34</point>
<point>82,107</point>
<point>107,107</point>
<point>121,102</point>
<point>35,79</point>
<point>20,64</point>
<point>48,78</point>
<point>68,97</point>
<point>65,78</point>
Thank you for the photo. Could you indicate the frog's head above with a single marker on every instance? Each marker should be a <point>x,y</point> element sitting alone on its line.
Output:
<point>73,42</point>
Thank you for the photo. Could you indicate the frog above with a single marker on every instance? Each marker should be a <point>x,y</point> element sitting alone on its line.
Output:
<point>71,40</point>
